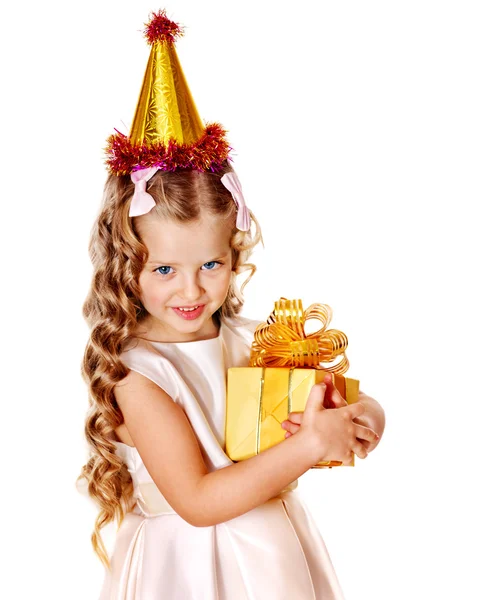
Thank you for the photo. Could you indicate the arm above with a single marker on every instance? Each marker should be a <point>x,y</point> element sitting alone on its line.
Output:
<point>238,488</point>
<point>170,451</point>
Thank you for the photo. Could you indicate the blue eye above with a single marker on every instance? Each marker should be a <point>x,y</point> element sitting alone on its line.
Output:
<point>213,262</point>
<point>209,266</point>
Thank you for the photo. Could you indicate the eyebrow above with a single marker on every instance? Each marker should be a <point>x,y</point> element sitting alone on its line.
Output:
<point>172,263</point>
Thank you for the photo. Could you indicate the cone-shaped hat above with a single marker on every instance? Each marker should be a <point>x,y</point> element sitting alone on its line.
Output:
<point>167,131</point>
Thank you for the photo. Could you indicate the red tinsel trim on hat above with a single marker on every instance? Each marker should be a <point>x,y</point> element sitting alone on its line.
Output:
<point>161,29</point>
<point>207,154</point>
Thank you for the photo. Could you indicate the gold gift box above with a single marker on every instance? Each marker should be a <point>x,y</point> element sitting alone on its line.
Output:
<point>259,399</point>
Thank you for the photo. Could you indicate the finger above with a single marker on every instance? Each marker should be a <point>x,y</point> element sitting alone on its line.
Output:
<point>370,446</point>
<point>327,402</point>
<point>348,461</point>
<point>366,445</point>
<point>359,450</point>
<point>333,394</point>
<point>292,427</point>
<point>295,417</point>
<point>338,401</point>
<point>355,410</point>
<point>315,399</point>
<point>366,433</point>
<point>337,398</point>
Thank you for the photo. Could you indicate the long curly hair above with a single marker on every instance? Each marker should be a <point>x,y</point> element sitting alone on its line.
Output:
<point>112,310</point>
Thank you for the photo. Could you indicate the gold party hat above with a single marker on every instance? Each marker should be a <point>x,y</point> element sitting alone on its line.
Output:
<point>167,131</point>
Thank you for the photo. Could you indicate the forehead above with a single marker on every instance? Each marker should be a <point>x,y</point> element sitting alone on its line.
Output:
<point>194,242</point>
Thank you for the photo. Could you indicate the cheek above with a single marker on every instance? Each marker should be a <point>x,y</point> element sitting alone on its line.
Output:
<point>154,299</point>
<point>225,283</point>
<point>151,293</point>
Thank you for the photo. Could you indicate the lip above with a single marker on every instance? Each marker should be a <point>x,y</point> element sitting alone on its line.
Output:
<point>188,306</point>
<point>191,315</point>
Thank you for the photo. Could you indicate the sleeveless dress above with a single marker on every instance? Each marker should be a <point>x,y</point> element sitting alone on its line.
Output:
<point>273,552</point>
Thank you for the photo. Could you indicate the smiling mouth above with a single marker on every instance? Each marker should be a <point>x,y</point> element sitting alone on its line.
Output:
<point>189,313</point>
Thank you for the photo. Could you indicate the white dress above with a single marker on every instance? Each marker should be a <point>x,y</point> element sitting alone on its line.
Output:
<point>273,552</point>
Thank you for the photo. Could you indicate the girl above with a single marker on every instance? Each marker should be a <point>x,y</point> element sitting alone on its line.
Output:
<point>164,310</point>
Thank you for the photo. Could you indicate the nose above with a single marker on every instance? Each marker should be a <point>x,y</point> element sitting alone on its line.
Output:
<point>191,290</point>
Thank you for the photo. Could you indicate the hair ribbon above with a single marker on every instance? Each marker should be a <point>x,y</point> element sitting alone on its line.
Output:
<point>142,202</point>
<point>232,184</point>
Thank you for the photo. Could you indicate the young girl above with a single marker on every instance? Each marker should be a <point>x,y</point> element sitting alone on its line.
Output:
<point>164,310</point>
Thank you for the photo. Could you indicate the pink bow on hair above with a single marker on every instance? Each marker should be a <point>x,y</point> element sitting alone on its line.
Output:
<point>232,184</point>
<point>141,202</point>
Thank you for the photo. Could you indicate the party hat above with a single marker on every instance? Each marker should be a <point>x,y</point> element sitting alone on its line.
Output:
<point>167,131</point>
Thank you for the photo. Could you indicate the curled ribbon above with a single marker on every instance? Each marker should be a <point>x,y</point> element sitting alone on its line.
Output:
<point>282,341</point>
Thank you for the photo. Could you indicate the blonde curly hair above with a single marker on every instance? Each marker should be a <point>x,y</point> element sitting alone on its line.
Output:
<point>112,310</point>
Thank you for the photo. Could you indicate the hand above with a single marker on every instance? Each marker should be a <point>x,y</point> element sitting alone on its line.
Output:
<point>333,433</point>
<point>333,399</point>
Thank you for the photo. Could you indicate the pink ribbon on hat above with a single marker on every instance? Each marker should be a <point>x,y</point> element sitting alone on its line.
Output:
<point>141,202</point>
<point>232,184</point>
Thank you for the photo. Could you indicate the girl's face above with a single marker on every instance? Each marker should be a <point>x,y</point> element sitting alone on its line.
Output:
<point>188,267</point>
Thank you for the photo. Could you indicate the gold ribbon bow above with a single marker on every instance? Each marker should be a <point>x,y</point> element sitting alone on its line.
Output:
<point>282,341</point>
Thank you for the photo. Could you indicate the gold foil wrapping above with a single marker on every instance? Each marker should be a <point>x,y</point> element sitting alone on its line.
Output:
<point>165,110</point>
<point>260,399</point>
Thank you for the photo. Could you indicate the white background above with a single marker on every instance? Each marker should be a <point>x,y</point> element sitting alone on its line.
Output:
<point>362,137</point>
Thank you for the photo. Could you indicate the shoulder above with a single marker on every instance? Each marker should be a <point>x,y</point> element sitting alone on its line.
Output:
<point>137,350</point>
<point>142,357</point>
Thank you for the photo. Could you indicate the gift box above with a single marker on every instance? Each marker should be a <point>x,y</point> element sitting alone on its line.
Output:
<point>279,380</point>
